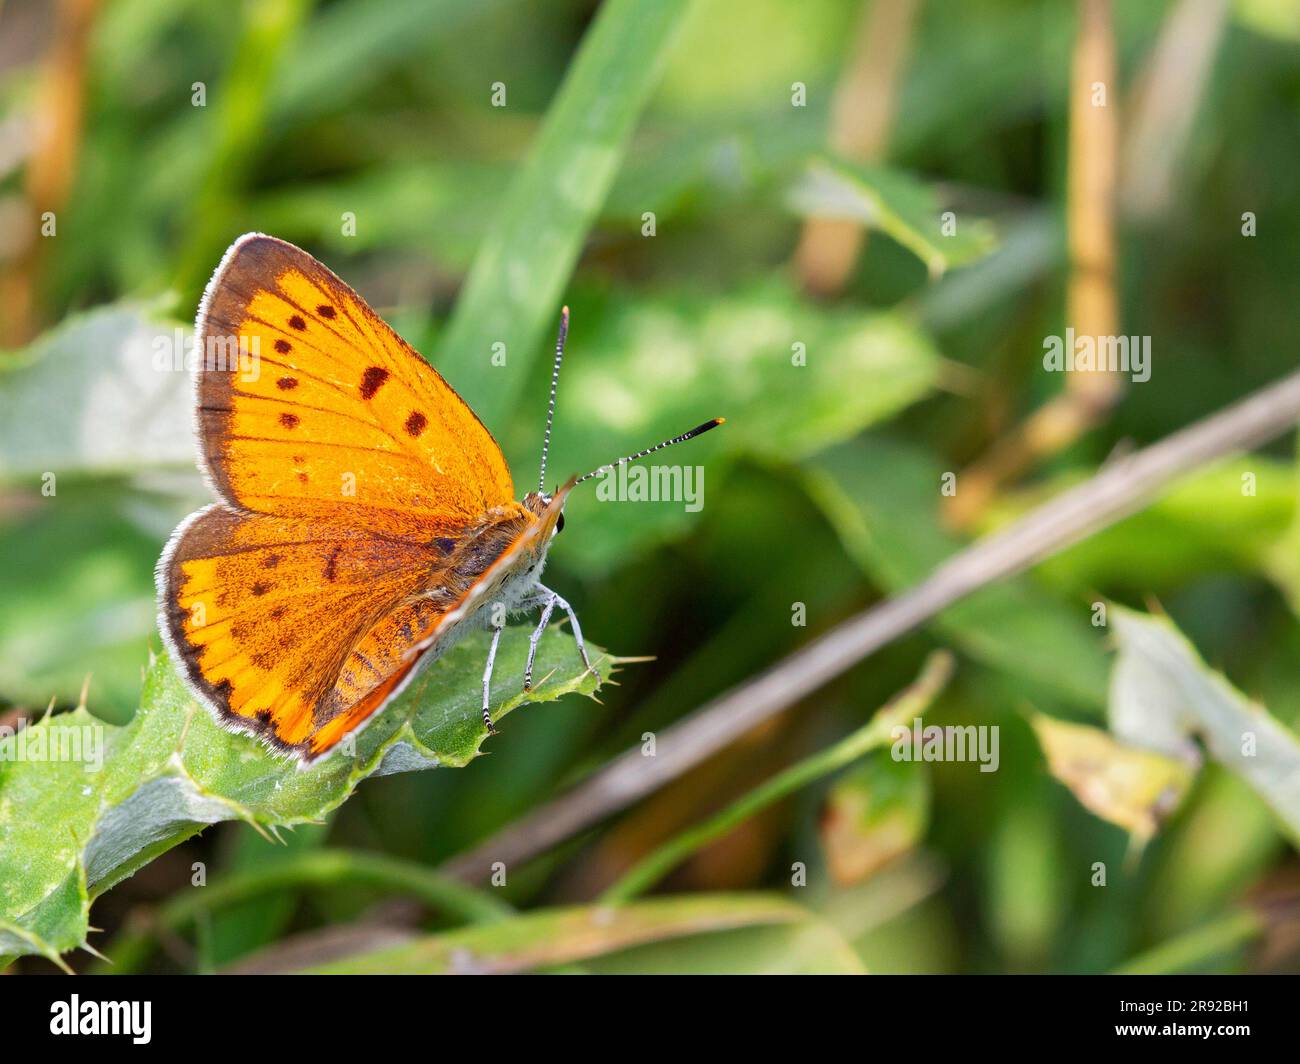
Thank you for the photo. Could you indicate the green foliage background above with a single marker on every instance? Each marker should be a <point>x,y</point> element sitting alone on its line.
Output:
<point>472,224</point>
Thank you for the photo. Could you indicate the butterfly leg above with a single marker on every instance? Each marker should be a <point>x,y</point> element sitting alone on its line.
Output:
<point>548,605</point>
<point>577,628</point>
<point>487,677</point>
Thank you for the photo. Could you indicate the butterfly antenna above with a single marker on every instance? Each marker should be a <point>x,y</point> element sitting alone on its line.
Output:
<point>555,386</point>
<point>699,430</point>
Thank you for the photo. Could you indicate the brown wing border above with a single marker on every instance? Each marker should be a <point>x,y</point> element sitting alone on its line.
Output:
<point>171,626</point>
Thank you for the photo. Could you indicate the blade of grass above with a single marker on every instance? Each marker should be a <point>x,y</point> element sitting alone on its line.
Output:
<point>548,938</point>
<point>1193,951</point>
<point>240,929</point>
<point>876,732</point>
<point>314,868</point>
<point>351,50</point>
<point>511,292</point>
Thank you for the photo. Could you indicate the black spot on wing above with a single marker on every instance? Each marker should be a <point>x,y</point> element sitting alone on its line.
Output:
<point>372,380</point>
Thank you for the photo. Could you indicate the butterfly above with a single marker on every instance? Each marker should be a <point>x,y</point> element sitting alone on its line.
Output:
<point>366,518</point>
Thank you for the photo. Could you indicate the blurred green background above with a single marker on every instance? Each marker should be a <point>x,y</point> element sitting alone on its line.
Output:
<point>697,194</point>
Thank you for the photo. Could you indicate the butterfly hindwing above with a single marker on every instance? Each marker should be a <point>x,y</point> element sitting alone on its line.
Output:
<point>291,628</point>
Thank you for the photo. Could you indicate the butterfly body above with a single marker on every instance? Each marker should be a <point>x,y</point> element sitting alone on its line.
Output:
<point>495,569</point>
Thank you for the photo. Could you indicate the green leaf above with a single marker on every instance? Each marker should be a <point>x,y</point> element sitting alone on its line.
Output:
<point>269,885</point>
<point>744,54</point>
<point>655,365</point>
<point>524,263</point>
<point>79,599</point>
<point>83,804</point>
<point>242,928</point>
<point>549,938</point>
<point>1132,787</point>
<point>1025,864</point>
<point>896,204</point>
<point>799,947</point>
<point>268,33</point>
<point>1163,694</point>
<point>1282,558</point>
<point>351,49</point>
<point>1204,523</point>
<point>884,498</point>
<point>873,814</point>
<point>438,210</point>
<point>1273,18</point>
<point>105,392</point>
<point>1203,950</point>
<point>724,166</point>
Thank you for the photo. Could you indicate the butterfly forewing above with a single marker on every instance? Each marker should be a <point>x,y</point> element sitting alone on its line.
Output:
<point>330,415</point>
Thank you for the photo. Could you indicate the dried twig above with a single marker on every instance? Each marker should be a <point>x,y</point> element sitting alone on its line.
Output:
<point>1118,490</point>
<point>51,168</point>
<point>1091,304</point>
<point>1165,105</point>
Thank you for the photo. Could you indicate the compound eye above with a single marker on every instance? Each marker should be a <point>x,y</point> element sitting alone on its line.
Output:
<point>559,525</point>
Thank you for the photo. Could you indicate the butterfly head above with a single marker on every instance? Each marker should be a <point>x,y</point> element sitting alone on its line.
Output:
<point>548,507</point>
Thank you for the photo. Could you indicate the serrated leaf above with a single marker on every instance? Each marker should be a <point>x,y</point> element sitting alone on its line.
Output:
<point>1162,695</point>
<point>84,804</point>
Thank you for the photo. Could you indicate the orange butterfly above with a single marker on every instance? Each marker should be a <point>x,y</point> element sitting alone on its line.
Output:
<point>366,518</point>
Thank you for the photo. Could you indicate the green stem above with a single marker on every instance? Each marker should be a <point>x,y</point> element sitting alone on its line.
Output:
<point>309,869</point>
<point>876,732</point>
<point>1190,952</point>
